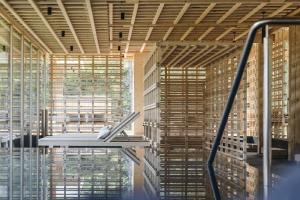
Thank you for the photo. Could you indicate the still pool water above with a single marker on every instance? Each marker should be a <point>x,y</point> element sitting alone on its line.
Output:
<point>102,173</point>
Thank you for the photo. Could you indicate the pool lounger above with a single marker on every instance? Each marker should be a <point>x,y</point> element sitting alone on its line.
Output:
<point>115,138</point>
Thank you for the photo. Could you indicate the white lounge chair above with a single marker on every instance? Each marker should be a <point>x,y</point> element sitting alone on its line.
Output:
<point>112,138</point>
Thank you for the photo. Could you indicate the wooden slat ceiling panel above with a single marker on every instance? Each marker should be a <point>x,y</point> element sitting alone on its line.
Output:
<point>194,11</point>
<point>139,33</point>
<point>272,8</point>
<point>58,23</point>
<point>118,9</point>
<point>219,23</point>
<point>177,33</point>
<point>146,13</point>
<point>217,12</point>
<point>27,13</point>
<point>169,13</point>
<point>79,17</point>
<point>194,35</point>
<point>117,30</point>
<point>101,18</point>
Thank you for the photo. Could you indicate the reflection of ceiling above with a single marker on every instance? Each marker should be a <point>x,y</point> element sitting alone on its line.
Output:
<point>93,26</point>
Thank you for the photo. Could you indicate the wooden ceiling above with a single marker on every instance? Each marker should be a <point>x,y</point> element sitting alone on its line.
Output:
<point>94,26</point>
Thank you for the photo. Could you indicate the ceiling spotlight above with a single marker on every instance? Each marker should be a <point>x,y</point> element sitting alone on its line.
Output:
<point>4,48</point>
<point>62,33</point>
<point>122,15</point>
<point>120,34</point>
<point>119,48</point>
<point>49,10</point>
<point>71,48</point>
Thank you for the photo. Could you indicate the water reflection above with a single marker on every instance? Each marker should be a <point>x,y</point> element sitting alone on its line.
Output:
<point>65,174</point>
<point>173,173</point>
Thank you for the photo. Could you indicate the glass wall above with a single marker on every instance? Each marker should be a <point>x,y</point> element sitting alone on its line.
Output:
<point>21,72</point>
<point>4,84</point>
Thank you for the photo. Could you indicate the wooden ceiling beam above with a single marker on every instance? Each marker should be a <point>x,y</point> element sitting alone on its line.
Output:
<point>252,12</point>
<point>217,56</point>
<point>177,19</point>
<point>158,12</point>
<point>203,55</point>
<point>205,13</point>
<point>23,23</point>
<point>207,1</point>
<point>191,49</point>
<point>134,13</point>
<point>92,22</point>
<point>273,14</point>
<point>170,64</point>
<point>220,20</point>
<point>210,29</point>
<point>225,33</point>
<point>295,12</point>
<point>39,13</point>
<point>198,20</point>
<point>195,56</point>
<point>279,10</point>
<point>66,16</point>
<point>154,21</point>
<point>168,54</point>
<point>199,43</point>
<point>229,12</point>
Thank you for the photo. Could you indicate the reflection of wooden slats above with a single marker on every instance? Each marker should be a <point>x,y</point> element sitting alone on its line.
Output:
<point>180,95</point>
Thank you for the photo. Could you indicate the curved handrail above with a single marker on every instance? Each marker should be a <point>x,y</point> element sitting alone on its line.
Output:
<point>239,74</point>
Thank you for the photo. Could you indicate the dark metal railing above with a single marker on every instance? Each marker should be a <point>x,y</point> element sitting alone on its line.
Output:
<point>240,70</point>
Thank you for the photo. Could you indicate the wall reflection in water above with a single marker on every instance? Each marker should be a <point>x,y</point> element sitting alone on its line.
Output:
<point>176,172</point>
<point>65,174</point>
<point>181,173</point>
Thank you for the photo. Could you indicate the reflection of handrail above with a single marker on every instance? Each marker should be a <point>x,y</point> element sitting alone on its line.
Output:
<point>239,74</point>
<point>213,182</point>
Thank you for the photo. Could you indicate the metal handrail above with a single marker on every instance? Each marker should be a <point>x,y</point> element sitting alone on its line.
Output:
<point>240,70</point>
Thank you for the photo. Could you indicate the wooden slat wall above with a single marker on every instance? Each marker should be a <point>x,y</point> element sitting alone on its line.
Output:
<point>174,122</point>
<point>219,79</point>
<point>280,75</point>
<point>86,93</point>
<point>253,91</point>
<point>294,85</point>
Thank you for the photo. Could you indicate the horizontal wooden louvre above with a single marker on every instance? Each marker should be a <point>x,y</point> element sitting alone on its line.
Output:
<point>280,83</point>
<point>174,123</point>
<point>86,93</point>
<point>219,78</point>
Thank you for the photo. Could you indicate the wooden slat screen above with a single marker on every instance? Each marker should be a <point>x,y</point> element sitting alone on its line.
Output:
<point>86,93</point>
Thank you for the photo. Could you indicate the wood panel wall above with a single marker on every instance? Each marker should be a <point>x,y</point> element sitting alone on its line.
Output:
<point>280,84</point>
<point>294,94</point>
<point>220,76</point>
<point>174,122</point>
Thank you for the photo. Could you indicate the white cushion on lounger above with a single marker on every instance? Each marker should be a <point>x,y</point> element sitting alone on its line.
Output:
<point>104,132</point>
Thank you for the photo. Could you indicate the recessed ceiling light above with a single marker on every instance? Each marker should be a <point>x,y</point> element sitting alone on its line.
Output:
<point>71,48</point>
<point>62,33</point>
<point>122,15</point>
<point>49,10</point>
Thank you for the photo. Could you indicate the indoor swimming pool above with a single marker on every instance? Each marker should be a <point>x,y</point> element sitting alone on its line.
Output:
<point>103,173</point>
